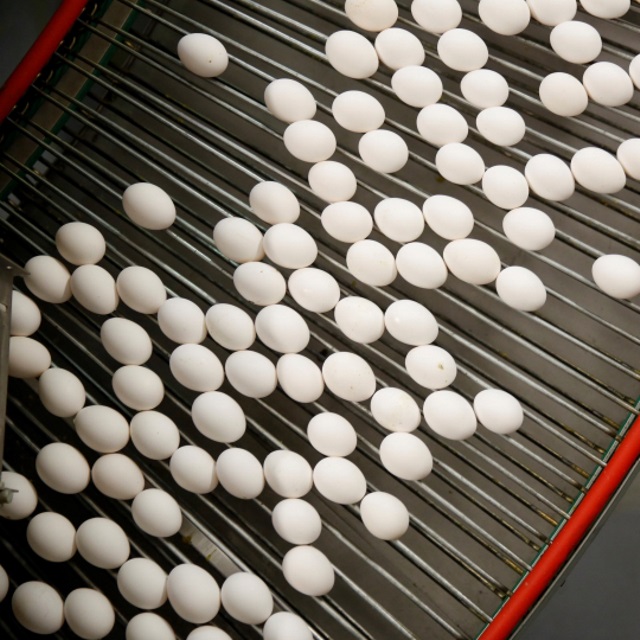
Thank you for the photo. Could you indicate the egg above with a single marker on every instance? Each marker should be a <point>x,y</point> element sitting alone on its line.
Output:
<point>634,70</point>
<point>576,41</point>
<point>61,392</point>
<point>339,480</point>
<point>450,415</point>
<point>431,366</point>
<point>80,243</point>
<point>349,376</point>
<point>218,416</point>
<point>505,187</point>
<point>498,411</point>
<point>282,329</point>
<point>416,85</point>
<point>506,19</point>
<point>138,387</point>
<point>608,84</point>
<point>299,377</point>
<point>521,289</point>
<point>395,410</point>
<point>52,536</point>
<point>448,217</point>
<point>95,289</point>
<point>117,476</point>
<point>309,140</point>
<point>149,206</point>
<point>149,625</point>
<point>141,289</point>
<point>38,607</point>
<point>28,358</point>
<point>25,315</point>
<point>351,54</point>
<point>284,625</point>
<point>598,170</point>
<point>421,265</point>
<point>607,9</point>
<point>193,593</point>
<point>296,521</point>
<point>553,12</point>
<point>4,583</point>
<point>383,151</point>
<point>103,543</point>
<point>308,571</point>
<point>89,614</point>
<point>288,474</point>
<point>259,283</point>
<point>125,341</point>
<point>359,319</point>
<point>384,515</point>
<point>314,289</point>
<point>208,633</point>
<point>142,583</point>
<point>240,473</point>
<point>459,163</point>
<point>484,88</point>
<point>372,15</point>
<point>440,124</point>
<point>617,275</point>
<point>63,468</point>
<point>357,111</point>
<point>193,469</point>
<point>196,367</point>
<point>411,323</point>
<point>157,513</point>
<point>462,50</point>
<point>332,434</point>
<point>628,155</point>
<point>289,100</point>
<point>203,55</point>
<point>251,374</point>
<point>436,16</point>
<point>347,221</point>
<point>182,321</point>
<point>563,94</point>
<point>48,279</point>
<point>154,435</point>
<point>230,326</point>
<point>290,246</point>
<point>549,177</point>
<point>399,48</point>
<point>501,126</point>
<point>529,228</point>
<point>246,598</point>
<point>24,500</point>
<point>372,263</point>
<point>273,202</point>
<point>472,261</point>
<point>332,181</point>
<point>238,239</point>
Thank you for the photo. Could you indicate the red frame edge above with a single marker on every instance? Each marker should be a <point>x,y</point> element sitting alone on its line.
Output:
<point>38,55</point>
<point>569,537</point>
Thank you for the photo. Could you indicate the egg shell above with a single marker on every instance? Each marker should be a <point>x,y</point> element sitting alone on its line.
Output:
<point>95,289</point>
<point>117,476</point>
<point>421,265</point>
<point>553,12</point>
<point>61,392</point>
<point>506,19</point>
<point>193,469</point>
<point>384,515</point>
<point>395,410</point>
<point>25,315</point>
<point>505,187</point>
<point>549,177</point>
<point>193,593</point>
<point>296,521</point>
<point>339,480</point>
<point>230,326</point>
<point>563,94</point>
<point>450,415</point>
<point>576,41</point>
<point>89,614</point>
<point>246,598</point>
<point>52,536</point>
<point>617,275</point>
<point>347,221</point>
<point>372,263</point>
<point>157,513</point>
<point>448,217</point>
<point>431,366</point>
<point>182,321</point>
<point>411,323</point>
<point>634,70</point>
<point>126,341</point>
<point>251,374</point>
<point>436,17</point>
<point>383,150</point>
<point>459,163</point>
<point>332,181</point>
<point>218,416</point>
<point>309,140</point>
<point>349,376</point>
<point>359,319</point>
<point>357,111</point>
<point>4,583</point>
<point>196,367</point>
<point>288,474</point>
<point>63,468</point>
<point>273,202</point>
<point>38,607</point>
<point>472,261</point>
<point>628,155</point>
<point>282,329</point>
<point>149,206</point>
<point>299,377</point>
<point>103,543</point>
<point>240,473</point>
<point>332,435</point>
<point>308,571</point>
<point>501,126</point>
<point>203,55</point>
<point>154,435</point>
<point>208,633</point>
<point>314,289</point>
<point>598,170</point>
<point>462,50</point>
<point>397,48</point>
<point>149,625</point>
<point>529,228</point>
<point>143,583</point>
<point>25,498</point>
<point>289,100</point>
<point>608,84</point>
<point>351,54</point>
<point>484,88</point>
<point>498,411</point>
<point>440,124</point>
<point>521,289</point>
<point>283,625</point>
<point>290,246</point>
<point>259,283</point>
<point>141,289</point>
<point>138,387</point>
<point>238,239</point>
<point>607,9</point>
<point>28,358</point>
<point>48,279</point>
<point>80,243</point>
<point>372,15</point>
<point>416,85</point>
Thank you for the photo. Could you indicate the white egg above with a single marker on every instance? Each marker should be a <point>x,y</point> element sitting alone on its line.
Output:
<point>563,94</point>
<point>103,543</point>
<point>357,111</point>
<point>449,415</point>
<point>598,170</point>
<point>484,88</point>
<point>347,221</point>
<point>24,500</point>
<point>193,469</point>
<point>48,279</point>
<point>459,163</point>
<point>436,16</point>
<point>28,358</point>
<point>89,614</point>
<point>61,392</point>
<point>521,289</point>
<point>182,321</point>
<point>351,54</point>
<point>309,140</point>
<point>498,411</point>
<point>617,275</point>
<point>576,41</point>
<point>628,155</point>
<point>203,54</point>
<point>634,70</point>
<point>230,326</point>
<point>38,607</point>
<point>411,323</point>
<point>25,315</point>
<point>102,428</point>
<point>142,583</point>
<point>208,633</point>
<point>553,12</point>
<point>126,341</point>
<point>290,246</point>
<point>399,48</point>
<point>448,217</point>
<point>138,387</point>
<point>308,571</point>
<point>273,202</point>
<point>529,228</point>
<point>196,367</point>
<point>117,476</point>
<point>440,124</point>
<point>52,536</point>
<point>431,366</point>
<point>193,593</point>
<point>259,283</point>
<point>462,50</point>
<point>416,85</point>
<point>157,513</point>
<point>289,100</point>
<point>246,598</point>
<point>251,374</point>
<point>505,187</point>
<point>384,515</point>
<point>4,583</point>
<point>472,261</point>
<point>395,410</point>
<point>332,181</point>
<point>80,243</point>
<point>296,521</point>
<point>406,456</point>
<point>63,468</point>
<point>607,9</point>
<point>238,239</point>
<point>372,263</point>
<point>359,319</point>
<point>506,19</point>
<point>284,625</point>
<point>372,15</point>
<point>154,435</point>
<point>339,480</point>
<point>314,289</point>
<point>383,151</point>
<point>299,377</point>
<point>149,625</point>
<point>421,265</point>
<point>549,177</point>
<point>141,289</point>
<point>218,417</point>
<point>149,206</point>
<point>331,434</point>
<point>502,126</point>
<point>349,376</point>
<point>240,473</point>
<point>608,84</point>
<point>288,473</point>
<point>95,289</point>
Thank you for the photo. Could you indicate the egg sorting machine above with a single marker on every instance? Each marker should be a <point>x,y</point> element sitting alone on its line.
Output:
<point>499,515</point>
